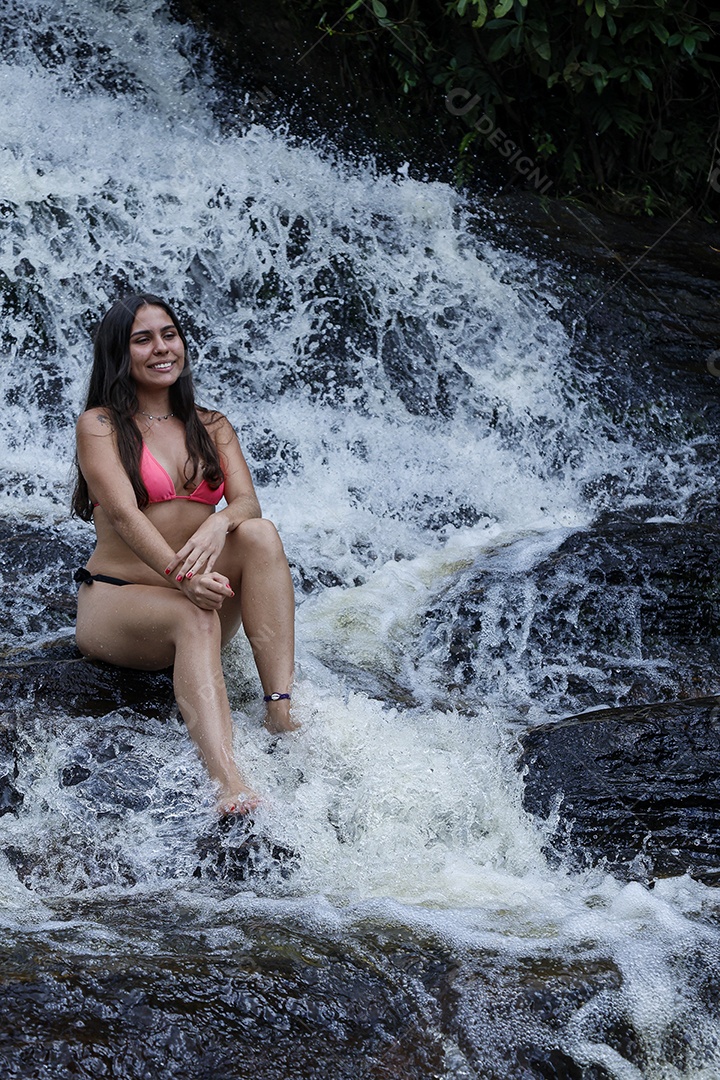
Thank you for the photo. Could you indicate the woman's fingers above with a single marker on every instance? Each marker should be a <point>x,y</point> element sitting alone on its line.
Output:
<point>199,562</point>
<point>172,565</point>
<point>221,585</point>
<point>196,562</point>
<point>186,559</point>
<point>200,552</point>
<point>207,590</point>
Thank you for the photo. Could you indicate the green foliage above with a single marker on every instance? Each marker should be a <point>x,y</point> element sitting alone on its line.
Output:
<point>610,95</point>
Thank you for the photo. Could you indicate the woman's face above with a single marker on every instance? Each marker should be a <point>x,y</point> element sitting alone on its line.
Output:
<point>157,354</point>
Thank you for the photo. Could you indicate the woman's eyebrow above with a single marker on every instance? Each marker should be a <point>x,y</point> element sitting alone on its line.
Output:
<point>170,326</point>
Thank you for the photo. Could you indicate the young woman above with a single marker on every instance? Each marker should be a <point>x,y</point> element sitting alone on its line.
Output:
<point>171,578</point>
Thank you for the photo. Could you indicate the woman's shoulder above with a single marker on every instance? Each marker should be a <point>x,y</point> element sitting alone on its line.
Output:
<point>210,416</point>
<point>217,423</point>
<point>96,421</point>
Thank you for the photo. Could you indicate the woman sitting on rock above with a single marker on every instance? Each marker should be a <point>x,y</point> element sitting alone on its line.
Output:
<point>171,578</point>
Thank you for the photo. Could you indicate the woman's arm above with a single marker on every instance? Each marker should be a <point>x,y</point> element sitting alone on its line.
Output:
<point>201,551</point>
<point>239,488</point>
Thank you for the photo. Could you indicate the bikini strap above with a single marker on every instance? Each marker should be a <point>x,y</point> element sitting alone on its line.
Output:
<point>86,578</point>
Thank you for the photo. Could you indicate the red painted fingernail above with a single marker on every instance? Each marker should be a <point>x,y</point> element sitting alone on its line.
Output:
<point>189,574</point>
<point>179,577</point>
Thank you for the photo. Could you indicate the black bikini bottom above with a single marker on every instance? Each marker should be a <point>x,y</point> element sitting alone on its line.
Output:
<point>84,577</point>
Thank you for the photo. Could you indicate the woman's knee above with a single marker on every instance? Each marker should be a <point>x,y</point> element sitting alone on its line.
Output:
<point>196,622</point>
<point>258,534</point>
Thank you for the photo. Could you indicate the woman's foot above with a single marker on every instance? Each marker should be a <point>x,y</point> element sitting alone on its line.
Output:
<point>278,718</point>
<point>241,804</point>
<point>236,796</point>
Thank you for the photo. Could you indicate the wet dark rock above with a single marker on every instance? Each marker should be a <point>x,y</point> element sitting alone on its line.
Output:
<point>68,44</point>
<point>275,1002</point>
<point>636,789</point>
<point>57,682</point>
<point>22,862</point>
<point>626,612</point>
<point>312,579</point>
<point>235,851</point>
<point>645,298</point>
<point>422,384</point>
<point>506,1015</point>
<point>44,601</point>
<point>66,855</point>
<point>271,458</point>
<point>32,547</point>
<point>270,67</point>
<point>114,787</point>
<point>58,677</point>
<point>10,797</point>
<point>74,774</point>
<point>8,741</point>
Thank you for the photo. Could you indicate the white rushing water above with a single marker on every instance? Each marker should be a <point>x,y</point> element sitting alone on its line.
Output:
<point>407,399</point>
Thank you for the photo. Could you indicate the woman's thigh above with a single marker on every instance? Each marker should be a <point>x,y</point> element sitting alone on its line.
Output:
<point>132,626</point>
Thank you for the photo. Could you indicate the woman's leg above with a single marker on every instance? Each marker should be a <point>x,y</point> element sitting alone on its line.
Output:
<point>254,561</point>
<point>150,627</point>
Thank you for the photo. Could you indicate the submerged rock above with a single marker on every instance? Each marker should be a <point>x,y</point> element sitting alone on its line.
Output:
<point>43,691</point>
<point>636,789</point>
<point>10,797</point>
<point>236,851</point>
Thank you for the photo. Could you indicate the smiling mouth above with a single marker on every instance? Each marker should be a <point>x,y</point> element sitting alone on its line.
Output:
<point>165,365</point>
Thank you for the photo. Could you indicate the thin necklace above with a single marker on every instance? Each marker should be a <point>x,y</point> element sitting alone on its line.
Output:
<point>151,417</point>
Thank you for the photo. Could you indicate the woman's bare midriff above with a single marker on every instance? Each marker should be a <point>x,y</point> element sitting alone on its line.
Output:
<point>176,520</point>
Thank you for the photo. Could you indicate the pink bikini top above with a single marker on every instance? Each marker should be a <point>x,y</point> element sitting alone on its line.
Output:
<point>160,487</point>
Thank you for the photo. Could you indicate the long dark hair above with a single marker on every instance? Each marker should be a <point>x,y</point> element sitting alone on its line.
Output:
<point>113,388</point>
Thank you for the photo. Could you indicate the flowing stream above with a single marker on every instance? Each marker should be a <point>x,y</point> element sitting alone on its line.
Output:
<point>412,407</point>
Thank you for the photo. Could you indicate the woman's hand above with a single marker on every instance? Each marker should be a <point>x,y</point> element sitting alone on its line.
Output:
<point>200,553</point>
<point>207,591</point>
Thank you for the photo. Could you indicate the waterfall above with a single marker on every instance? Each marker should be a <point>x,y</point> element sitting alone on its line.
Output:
<point>414,409</point>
